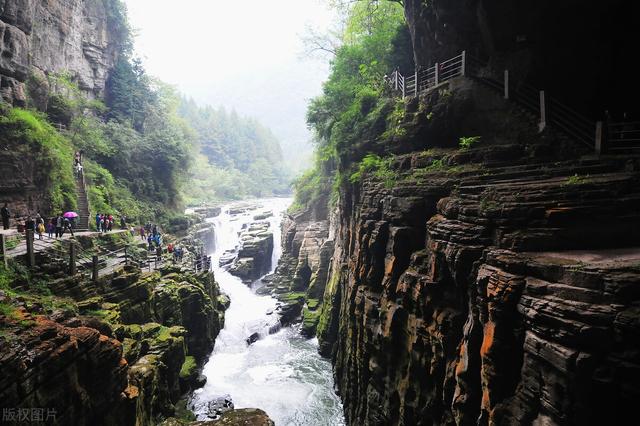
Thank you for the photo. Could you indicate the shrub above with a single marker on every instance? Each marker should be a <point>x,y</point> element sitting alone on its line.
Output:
<point>468,142</point>
<point>376,166</point>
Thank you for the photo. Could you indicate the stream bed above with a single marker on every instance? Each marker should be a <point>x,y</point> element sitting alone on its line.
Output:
<point>281,373</point>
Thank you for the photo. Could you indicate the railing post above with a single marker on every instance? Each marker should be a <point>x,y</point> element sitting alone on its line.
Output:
<point>463,65</point>
<point>3,250</point>
<point>598,137</point>
<point>506,84</point>
<point>543,113</point>
<point>31,256</point>
<point>126,258</point>
<point>72,259</point>
<point>94,268</point>
<point>395,78</point>
<point>403,86</point>
<point>437,68</point>
<point>415,74</point>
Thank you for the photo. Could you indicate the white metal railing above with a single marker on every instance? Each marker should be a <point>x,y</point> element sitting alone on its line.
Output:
<point>424,79</point>
<point>598,135</point>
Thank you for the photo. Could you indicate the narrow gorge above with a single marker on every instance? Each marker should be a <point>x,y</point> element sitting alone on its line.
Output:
<point>461,250</point>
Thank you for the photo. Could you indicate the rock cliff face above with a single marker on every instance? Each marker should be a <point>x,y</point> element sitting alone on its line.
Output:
<point>119,351</point>
<point>41,37</point>
<point>491,285</point>
<point>301,276</point>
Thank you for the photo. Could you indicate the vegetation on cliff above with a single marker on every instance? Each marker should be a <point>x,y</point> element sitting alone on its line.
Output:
<point>141,144</point>
<point>374,41</point>
<point>29,135</point>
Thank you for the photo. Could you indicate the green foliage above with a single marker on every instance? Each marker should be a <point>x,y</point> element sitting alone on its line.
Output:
<point>239,157</point>
<point>395,120</point>
<point>352,106</point>
<point>129,94</point>
<point>374,165</point>
<point>307,187</point>
<point>468,142</point>
<point>576,180</point>
<point>52,152</point>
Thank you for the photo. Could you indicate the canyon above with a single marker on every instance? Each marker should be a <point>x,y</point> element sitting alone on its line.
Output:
<point>482,268</point>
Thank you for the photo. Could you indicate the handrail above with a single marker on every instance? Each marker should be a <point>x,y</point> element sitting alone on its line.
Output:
<point>551,110</point>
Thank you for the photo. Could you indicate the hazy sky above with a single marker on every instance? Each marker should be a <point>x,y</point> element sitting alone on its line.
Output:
<point>240,54</point>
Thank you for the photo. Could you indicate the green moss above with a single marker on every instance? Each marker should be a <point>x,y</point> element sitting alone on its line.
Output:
<point>325,308</point>
<point>291,297</point>
<point>189,367</point>
<point>576,180</point>
<point>52,152</point>
<point>313,303</point>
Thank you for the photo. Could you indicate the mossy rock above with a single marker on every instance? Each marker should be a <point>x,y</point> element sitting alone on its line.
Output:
<point>91,304</point>
<point>189,368</point>
<point>224,301</point>
<point>294,297</point>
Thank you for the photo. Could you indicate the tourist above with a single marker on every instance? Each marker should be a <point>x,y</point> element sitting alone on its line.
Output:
<point>59,224</point>
<point>77,160</point>
<point>142,236</point>
<point>132,230</point>
<point>67,226</point>
<point>5,216</point>
<point>150,242</point>
<point>123,222</point>
<point>159,253</point>
<point>79,169</point>
<point>51,226</point>
<point>110,223</point>
<point>40,230</point>
<point>39,220</point>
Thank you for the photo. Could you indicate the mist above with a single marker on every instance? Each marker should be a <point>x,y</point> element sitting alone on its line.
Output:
<point>247,56</point>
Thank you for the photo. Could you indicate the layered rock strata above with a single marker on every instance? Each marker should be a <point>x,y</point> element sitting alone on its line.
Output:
<point>454,297</point>
<point>37,38</point>
<point>254,256</point>
<point>301,276</point>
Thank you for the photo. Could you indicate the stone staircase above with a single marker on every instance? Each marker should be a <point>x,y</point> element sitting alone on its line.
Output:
<point>83,205</point>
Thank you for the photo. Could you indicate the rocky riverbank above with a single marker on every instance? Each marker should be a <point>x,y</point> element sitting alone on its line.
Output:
<point>122,350</point>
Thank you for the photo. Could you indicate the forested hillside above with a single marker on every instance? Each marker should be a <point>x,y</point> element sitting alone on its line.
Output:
<point>146,151</point>
<point>238,157</point>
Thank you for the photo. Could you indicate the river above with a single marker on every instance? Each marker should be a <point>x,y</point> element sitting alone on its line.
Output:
<point>281,373</point>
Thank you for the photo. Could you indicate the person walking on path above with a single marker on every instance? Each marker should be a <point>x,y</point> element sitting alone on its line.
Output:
<point>51,226</point>
<point>6,214</point>
<point>59,225</point>
<point>142,236</point>
<point>67,226</point>
<point>40,230</point>
<point>98,222</point>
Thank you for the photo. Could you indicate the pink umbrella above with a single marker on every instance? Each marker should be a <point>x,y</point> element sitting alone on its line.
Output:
<point>70,214</point>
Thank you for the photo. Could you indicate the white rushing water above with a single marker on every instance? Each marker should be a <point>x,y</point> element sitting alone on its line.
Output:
<point>281,373</point>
